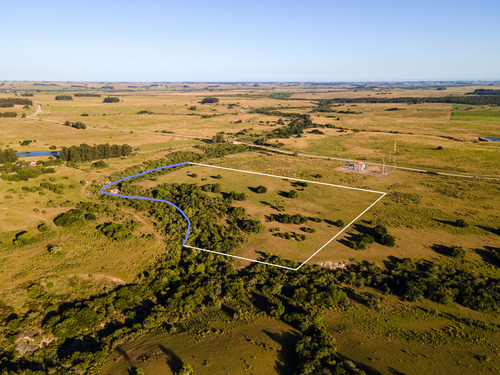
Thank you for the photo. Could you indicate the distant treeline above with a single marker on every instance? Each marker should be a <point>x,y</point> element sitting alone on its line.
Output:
<point>64,97</point>
<point>27,94</point>
<point>472,100</point>
<point>85,152</point>
<point>8,114</point>
<point>273,111</point>
<point>7,155</point>
<point>484,92</point>
<point>76,125</point>
<point>87,94</point>
<point>10,102</point>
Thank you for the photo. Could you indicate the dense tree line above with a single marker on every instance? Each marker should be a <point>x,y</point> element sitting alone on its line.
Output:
<point>414,280</point>
<point>296,127</point>
<point>85,152</point>
<point>485,92</point>
<point>10,102</point>
<point>64,97</point>
<point>469,99</point>
<point>8,114</point>
<point>273,111</point>
<point>8,155</point>
<point>87,95</point>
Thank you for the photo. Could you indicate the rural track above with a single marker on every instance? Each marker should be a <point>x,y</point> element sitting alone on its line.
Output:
<point>285,152</point>
<point>389,166</point>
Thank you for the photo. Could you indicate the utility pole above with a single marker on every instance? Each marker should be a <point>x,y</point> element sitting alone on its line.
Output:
<point>383,165</point>
<point>394,146</point>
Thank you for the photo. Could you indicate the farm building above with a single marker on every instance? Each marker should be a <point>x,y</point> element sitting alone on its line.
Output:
<point>359,166</point>
<point>32,163</point>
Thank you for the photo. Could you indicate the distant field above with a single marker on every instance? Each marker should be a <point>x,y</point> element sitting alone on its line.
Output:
<point>476,116</point>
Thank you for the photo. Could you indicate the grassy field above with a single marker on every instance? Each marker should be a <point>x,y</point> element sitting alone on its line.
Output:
<point>264,346</point>
<point>327,203</point>
<point>476,116</point>
<point>415,338</point>
<point>420,209</point>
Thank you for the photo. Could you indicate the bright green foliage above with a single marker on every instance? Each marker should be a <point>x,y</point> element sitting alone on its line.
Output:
<point>237,196</point>
<point>116,231</point>
<point>24,238</point>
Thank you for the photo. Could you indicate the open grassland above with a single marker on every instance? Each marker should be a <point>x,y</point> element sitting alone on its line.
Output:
<point>420,210</point>
<point>415,338</point>
<point>264,346</point>
<point>476,116</point>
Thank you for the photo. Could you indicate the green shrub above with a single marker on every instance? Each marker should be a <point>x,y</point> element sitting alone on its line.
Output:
<point>100,164</point>
<point>456,252</point>
<point>23,238</point>
<point>251,226</point>
<point>461,223</point>
<point>71,218</point>
<point>308,230</point>
<point>237,196</point>
<point>339,223</point>
<point>43,227</point>
<point>292,194</point>
<point>261,189</point>
<point>90,217</point>
<point>115,231</point>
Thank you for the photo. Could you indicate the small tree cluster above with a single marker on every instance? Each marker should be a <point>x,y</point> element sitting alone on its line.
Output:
<point>237,196</point>
<point>8,114</point>
<point>8,155</point>
<point>111,99</point>
<point>64,97</point>
<point>218,138</point>
<point>76,125</point>
<point>209,99</point>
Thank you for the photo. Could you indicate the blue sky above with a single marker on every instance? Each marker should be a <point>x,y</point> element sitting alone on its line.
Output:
<point>211,40</point>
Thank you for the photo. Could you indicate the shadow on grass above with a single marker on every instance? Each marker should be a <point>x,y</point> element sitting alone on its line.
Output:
<point>487,256</point>
<point>369,370</point>
<point>286,362</point>
<point>441,249</point>
<point>448,222</point>
<point>489,229</point>
<point>173,360</point>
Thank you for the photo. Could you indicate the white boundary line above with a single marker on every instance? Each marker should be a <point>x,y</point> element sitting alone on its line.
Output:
<point>288,178</point>
<point>295,179</point>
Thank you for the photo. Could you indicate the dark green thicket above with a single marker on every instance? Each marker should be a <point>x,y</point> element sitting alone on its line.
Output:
<point>11,102</point>
<point>482,99</point>
<point>85,152</point>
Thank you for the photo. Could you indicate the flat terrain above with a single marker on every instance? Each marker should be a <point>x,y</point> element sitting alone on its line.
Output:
<point>421,210</point>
